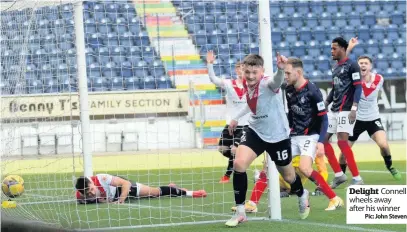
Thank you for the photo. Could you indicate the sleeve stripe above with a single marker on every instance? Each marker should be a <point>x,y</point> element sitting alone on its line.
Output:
<point>322,113</point>
<point>357,83</point>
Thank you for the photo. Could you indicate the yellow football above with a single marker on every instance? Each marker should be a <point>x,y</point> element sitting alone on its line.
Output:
<point>13,186</point>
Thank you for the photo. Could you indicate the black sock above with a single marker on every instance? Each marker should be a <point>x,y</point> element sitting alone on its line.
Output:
<point>387,157</point>
<point>227,153</point>
<point>343,167</point>
<point>296,186</point>
<point>171,191</point>
<point>230,167</point>
<point>240,187</point>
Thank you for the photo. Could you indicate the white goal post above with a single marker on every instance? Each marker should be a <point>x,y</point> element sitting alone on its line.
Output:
<point>92,87</point>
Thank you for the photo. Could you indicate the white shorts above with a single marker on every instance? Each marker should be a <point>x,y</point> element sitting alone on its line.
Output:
<point>339,122</point>
<point>304,145</point>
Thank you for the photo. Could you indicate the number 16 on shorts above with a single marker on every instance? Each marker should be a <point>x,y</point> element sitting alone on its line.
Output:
<point>339,122</point>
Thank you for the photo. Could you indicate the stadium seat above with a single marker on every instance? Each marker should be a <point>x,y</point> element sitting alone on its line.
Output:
<point>290,35</point>
<point>299,49</point>
<point>99,84</point>
<point>163,82</point>
<point>345,7</point>
<point>354,18</point>
<point>288,7</point>
<point>401,7</point>
<point>369,19</point>
<point>116,84</point>
<point>282,21</point>
<point>387,49</point>
<point>323,63</point>
<point>302,7</point>
<point>297,20</point>
<point>398,18</point>
<point>316,7</point>
<point>375,7</point>
<point>149,82</point>
<point>311,20</point>
<point>360,6</point>
<point>392,33</point>
<point>319,34</point>
<point>325,20</point>
<point>331,7</point>
<point>363,33</point>
<point>305,34</point>
<point>378,32</point>
<point>34,86</point>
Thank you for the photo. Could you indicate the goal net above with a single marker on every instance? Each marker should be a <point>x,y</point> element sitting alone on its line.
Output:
<point>138,69</point>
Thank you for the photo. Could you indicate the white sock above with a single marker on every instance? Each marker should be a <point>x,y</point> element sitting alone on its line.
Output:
<point>338,174</point>
<point>252,203</point>
<point>357,178</point>
<point>240,208</point>
<point>189,193</point>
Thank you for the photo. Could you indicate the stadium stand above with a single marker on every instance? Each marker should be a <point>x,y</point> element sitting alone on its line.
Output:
<point>120,56</point>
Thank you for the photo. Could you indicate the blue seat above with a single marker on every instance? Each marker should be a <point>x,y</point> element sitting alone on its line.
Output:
<point>149,83</point>
<point>305,34</point>
<point>297,20</point>
<point>363,33</point>
<point>164,82</point>
<point>392,33</point>
<point>99,84</point>
<point>369,19</point>
<point>331,7</point>
<point>354,18</point>
<point>323,63</point>
<point>320,34</point>
<point>397,18</point>
<point>282,21</point>
<point>34,86</point>
<point>290,35</point>
<point>325,20</point>
<point>340,20</point>
<point>397,64</point>
<point>387,49</point>
<point>388,6</point>
<point>276,35</point>
<point>274,8</point>
<point>299,49</point>
<point>348,32</point>
<point>375,7</point>
<point>360,7</point>
<point>378,32</point>
<point>382,64</point>
<point>316,7</point>
<point>346,7</point>
<point>314,51</point>
<point>157,72</point>
<point>303,7</point>
<point>311,20</point>
<point>116,84</point>
<point>288,7</point>
<point>132,84</point>
<point>51,86</point>
<point>401,6</point>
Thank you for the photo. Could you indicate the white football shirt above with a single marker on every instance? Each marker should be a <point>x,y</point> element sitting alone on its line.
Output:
<point>368,109</point>
<point>267,118</point>
<point>235,101</point>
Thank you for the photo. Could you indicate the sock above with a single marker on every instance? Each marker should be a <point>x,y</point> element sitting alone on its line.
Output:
<point>230,167</point>
<point>259,188</point>
<point>343,167</point>
<point>321,183</point>
<point>240,186</point>
<point>350,159</point>
<point>387,158</point>
<point>330,154</point>
<point>172,192</point>
<point>296,186</point>
<point>283,184</point>
<point>321,167</point>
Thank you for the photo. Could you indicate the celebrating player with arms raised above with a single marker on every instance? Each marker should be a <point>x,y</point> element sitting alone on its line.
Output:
<point>368,117</point>
<point>107,188</point>
<point>308,123</point>
<point>268,131</point>
<point>345,96</point>
<point>235,101</point>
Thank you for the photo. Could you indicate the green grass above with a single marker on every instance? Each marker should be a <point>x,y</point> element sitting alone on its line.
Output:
<point>49,198</point>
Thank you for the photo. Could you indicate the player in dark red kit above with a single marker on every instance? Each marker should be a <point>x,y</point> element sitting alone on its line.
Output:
<point>344,96</point>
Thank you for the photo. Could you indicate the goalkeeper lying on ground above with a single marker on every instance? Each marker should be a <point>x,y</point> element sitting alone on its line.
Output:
<point>108,188</point>
<point>285,188</point>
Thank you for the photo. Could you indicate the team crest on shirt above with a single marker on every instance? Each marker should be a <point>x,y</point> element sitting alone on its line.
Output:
<point>321,106</point>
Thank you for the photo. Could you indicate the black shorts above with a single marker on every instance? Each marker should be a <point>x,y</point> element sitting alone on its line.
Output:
<point>132,193</point>
<point>370,126</point>
<point>279,152</point>
<point>228,140</point>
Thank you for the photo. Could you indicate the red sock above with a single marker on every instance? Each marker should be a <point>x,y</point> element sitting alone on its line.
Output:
<point>323,185</point>
<point>350,158</point>
<point>330,154</point>
<point>259,188</point>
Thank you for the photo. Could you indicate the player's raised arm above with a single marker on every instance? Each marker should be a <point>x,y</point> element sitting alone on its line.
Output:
<point>352,43</point>
<point>210,58</point>
<point>120,182</point>
<point>278,78</point>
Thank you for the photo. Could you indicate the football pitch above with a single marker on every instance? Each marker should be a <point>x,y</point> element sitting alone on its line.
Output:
<point>49,198</point>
